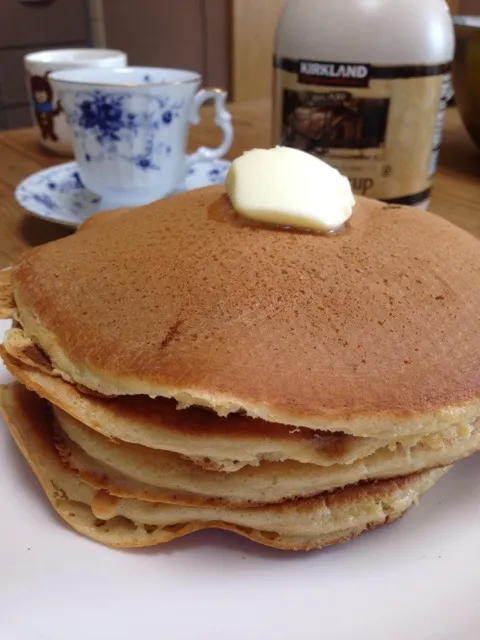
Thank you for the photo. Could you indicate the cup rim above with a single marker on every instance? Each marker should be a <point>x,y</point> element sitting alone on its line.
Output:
<point>72,78</point>
<point>54,56</point>
<point>472,22</point>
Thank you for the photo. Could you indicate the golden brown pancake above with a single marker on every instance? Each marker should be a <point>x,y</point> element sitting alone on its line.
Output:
<point>212,442</point>
<point>367,332</point>
<point>101,218</point>
<point>304,524</point>
<point>134,471</point>
<point>18,347</point>
<point>7,302</point>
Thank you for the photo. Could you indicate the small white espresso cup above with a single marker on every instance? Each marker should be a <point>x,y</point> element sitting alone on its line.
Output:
<point>47,114</point>
<point>130,128</point>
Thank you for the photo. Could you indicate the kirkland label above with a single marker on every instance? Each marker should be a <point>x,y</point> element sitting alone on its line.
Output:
<point>379,126</point>
<point>333,73</point>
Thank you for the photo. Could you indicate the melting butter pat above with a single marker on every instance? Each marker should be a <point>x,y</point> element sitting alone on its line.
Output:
<point>291,188</point>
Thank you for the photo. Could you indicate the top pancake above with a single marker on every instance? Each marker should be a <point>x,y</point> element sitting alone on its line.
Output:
<point>375,326</point>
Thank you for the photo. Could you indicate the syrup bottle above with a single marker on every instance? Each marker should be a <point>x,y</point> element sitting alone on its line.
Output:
<point>363,84</point>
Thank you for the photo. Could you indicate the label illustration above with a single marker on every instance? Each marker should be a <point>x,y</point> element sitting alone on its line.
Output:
<point>44,108</point>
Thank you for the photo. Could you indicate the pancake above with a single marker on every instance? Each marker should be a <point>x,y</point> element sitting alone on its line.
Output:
<point>103,217</point>
<point>212,442</point>
<point>19,346</point>
<point>130,470</point>
<point>7,302</point>
<point>371,331</point>
<point>306,524</point>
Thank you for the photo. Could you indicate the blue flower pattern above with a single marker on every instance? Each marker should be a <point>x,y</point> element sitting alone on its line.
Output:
<point>108,118</point>
<point>45,200</point>
<point>53,186</point>
<point>58,193</point>
<point>104,114</point>
<point>216,175</point>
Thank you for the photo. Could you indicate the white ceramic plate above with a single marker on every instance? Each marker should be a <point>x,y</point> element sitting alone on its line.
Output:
<point>57,193</point>
<point>417,579</point>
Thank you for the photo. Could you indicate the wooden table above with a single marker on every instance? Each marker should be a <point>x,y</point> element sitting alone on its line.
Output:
<point>456,193</point>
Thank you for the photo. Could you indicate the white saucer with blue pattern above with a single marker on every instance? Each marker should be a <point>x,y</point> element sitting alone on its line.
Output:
<point>57,193</point>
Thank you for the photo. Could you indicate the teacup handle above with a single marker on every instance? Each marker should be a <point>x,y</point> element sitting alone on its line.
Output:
<point>222,118</point>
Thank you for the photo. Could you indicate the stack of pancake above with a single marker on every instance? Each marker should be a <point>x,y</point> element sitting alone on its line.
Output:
<point>181,369</point>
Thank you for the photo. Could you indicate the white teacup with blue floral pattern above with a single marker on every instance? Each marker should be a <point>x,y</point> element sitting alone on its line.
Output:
<point>130,128</point>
